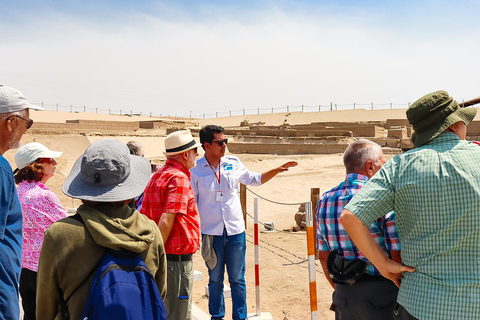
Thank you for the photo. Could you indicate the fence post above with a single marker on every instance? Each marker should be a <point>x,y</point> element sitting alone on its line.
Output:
<point>314,197</point>
<point>96,110</point>
<point>311,261</point>
<point>302,108</point>
<point>336,108</point>
<point>288,109</point>
<point>243,201</point>
<point>70,108</point>
<point>372,105</point>
<point>409,104</point>
<point>150,114</point>
<point>57,106</point>
<point>331,106</point>
<point>354,106</point>
<point>319,108</point>
<point>204,116</point>
<point>243,111</point>
<point>42,104</point>
<point>109,111</point>
<point>258,110</point>
<point>216,114</point>
<point>391,105</point>
<point>230,113</point>
<point>84,109</point>
<point>272,110</point>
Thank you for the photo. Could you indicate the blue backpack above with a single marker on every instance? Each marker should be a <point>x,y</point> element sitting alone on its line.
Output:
<point>124,288</point>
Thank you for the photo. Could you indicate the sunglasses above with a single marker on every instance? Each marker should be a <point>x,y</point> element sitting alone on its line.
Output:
<point>46,160</point>
<point>220,142</point>
<point>28,121</point>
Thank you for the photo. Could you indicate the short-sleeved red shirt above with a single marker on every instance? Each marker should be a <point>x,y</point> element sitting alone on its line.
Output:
<point>169,191</point>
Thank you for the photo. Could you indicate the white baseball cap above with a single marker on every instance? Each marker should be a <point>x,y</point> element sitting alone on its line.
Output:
<point>12,100</point>
<point>31,152</point>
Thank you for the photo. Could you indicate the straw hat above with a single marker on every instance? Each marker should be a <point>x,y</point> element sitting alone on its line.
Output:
<point>434,113</point>
<point>178,142</point>
<point>107,172</point>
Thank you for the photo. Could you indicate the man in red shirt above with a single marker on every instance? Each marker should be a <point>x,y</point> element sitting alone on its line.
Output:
<point>169,201</point>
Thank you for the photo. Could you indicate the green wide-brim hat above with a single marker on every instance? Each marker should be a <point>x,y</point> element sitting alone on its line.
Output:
<point>434,113</point>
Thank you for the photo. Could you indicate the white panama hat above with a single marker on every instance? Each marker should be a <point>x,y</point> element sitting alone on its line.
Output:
<point>178,142</point>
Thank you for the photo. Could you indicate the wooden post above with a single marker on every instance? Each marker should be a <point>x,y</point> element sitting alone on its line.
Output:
<point>57,106</point>
<point>314,197</point>
<point>243,201</point>
<point>84,109</point>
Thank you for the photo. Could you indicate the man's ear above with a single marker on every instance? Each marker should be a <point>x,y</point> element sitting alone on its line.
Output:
<point>369,168</point>
<point>8,123</point>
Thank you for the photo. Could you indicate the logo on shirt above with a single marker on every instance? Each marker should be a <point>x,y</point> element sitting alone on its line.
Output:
<point>227,166</point>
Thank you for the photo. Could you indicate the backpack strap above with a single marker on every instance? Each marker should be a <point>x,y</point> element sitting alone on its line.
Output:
<point>63,302</point>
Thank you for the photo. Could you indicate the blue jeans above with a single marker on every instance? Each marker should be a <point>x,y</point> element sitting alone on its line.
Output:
<point>230,252</point>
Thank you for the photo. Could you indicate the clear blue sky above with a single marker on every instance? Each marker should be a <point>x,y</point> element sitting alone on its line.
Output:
<point>207,56</point>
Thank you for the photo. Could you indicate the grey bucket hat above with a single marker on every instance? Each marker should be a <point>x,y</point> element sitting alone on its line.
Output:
<point>107,172</point>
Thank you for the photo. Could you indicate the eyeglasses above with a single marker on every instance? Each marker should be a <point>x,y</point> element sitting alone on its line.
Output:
<point>28,121</point>
<point>46,160</point>
<point>220,142</point>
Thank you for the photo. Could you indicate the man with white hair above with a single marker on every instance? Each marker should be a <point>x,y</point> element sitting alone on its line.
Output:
<point>170,202</point>
<point>360,290</point>
<point>14,122</point>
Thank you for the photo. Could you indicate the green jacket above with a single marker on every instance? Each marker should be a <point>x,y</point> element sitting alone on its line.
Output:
<point>72,250</point>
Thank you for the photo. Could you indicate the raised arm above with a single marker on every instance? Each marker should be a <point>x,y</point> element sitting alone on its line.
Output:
<point>266,176</point>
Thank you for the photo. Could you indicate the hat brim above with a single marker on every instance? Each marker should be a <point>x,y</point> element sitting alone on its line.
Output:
<point>34,107</point>
<point>466,115</point>
<point>133,186</point>
<point>196,145</point>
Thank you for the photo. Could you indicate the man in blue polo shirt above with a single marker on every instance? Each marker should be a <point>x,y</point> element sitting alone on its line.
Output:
<point>14,122</point>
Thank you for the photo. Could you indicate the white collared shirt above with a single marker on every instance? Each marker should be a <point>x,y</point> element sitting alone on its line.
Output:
<point>217,215</point>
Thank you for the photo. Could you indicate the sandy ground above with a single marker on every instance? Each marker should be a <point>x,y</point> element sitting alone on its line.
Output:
<point>284,279</point>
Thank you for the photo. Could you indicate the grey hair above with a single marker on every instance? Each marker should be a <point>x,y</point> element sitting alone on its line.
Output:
<point>135,148</point>
<point>359,152</point>
<point>21,113</point>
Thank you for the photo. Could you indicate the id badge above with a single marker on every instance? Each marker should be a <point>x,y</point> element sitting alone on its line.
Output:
<point>219,197</point>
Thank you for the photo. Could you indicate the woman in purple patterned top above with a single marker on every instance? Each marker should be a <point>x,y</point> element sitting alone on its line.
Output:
<point>40,207</point>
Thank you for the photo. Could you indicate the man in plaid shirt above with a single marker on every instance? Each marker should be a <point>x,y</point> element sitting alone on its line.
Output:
<point>435,191</point>
<point>372,296</point>
<point>170,202</point>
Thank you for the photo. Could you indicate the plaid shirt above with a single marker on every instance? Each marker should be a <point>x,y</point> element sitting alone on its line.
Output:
<point>435,191</point>
<point>332,236</point>
<point>169,191</point>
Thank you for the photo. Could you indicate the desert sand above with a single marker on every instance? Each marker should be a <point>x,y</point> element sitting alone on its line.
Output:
<point>284,279</point>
